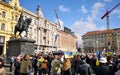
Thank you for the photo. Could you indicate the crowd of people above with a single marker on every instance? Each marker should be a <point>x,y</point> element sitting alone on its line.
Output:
<point>57,64</point>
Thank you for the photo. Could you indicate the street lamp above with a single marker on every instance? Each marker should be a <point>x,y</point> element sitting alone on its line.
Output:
<point>97,44</point>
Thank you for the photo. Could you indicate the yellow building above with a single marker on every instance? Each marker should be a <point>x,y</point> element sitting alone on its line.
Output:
<point>9,14</point>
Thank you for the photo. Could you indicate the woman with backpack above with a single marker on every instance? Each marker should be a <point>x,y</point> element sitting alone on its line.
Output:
<point>66,67</point>
<point>56,66</point>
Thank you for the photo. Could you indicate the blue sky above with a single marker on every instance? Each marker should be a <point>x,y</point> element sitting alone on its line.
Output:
<point>79,15</point>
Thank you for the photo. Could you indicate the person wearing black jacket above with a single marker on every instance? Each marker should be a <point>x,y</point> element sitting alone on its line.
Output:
<point>111,65</point>
<point>17,66</point>
<point>102,69</point>
<point>78,62</point>
<point>84,68</point>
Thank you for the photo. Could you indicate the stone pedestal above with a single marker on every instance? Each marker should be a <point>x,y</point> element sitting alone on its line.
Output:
<point>20,46</point>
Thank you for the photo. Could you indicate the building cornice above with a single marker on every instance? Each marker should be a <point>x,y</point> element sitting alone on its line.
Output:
<point>61,31</point>
<point>6,32</point>
<point>5,4</point>
<point>101,32</point>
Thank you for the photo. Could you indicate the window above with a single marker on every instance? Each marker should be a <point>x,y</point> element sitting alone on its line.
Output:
<point>15,7</point>
<point>3,26</point>
<point>25,17</point>
<point>2,39</point>
<point>3,14</point>
<point>16,17</point>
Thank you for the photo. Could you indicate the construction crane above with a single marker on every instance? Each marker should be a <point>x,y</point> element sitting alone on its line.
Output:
<point>59,27</point>
<point>107,15</point>
<point>107,18</point>
<point>57,18</point>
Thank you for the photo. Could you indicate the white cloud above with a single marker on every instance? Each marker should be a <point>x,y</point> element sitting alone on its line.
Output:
<point>64,9</point>
<point>107,0</point>
<point>116,11</point>
<point>82,26</point>
<point>96,9</point>
<point>83,9</point>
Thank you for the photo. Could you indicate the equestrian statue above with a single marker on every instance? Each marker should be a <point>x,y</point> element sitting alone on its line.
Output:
<point>22,25</point>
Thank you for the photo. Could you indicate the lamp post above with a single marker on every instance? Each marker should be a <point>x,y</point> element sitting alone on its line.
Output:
<point>97,44</point>
<point>118,41</point>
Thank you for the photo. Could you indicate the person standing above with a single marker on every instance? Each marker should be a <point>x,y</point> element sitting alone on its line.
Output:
<point>39,64</point>
<point>56,66</point>
<point>77,63</point>
<point>84,68</point>
<point>45,65</point>
<point>118,67</point>
<point>35,68</point>
<point>102,69</point>
<point>16,66</point>
<point>2,70</point>
<point>49,58</point>
<point>11,62</point>
<point>111,65</point>
<point>26,65</point>
<point>66,67</point>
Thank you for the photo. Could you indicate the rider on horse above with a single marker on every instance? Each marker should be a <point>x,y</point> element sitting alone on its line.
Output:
<point>22,25</point>
<point>20,21</point>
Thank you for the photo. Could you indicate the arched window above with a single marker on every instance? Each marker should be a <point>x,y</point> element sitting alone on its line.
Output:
<point>3,26</point>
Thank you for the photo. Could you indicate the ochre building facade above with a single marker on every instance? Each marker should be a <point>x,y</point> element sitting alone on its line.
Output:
<point>9,13</point>
<point>102,39</point>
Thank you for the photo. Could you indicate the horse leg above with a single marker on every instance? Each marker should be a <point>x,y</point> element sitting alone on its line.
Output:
<point>15,35</point>
<point>26,33</point>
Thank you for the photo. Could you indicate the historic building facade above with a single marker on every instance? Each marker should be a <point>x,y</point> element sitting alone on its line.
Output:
<point>102,39</point>
<point>9,13</point>
<point>66,40</point>
<point>41,30</point>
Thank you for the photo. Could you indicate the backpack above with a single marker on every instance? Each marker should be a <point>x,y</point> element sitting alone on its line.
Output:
<point>44,64</point>
<point>55,67</point>
<point>39,65</point>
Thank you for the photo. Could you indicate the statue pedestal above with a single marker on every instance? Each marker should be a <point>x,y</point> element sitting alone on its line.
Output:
<point>20,46</point>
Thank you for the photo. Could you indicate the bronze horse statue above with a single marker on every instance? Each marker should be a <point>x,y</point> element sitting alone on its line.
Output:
<point>22,25</point>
